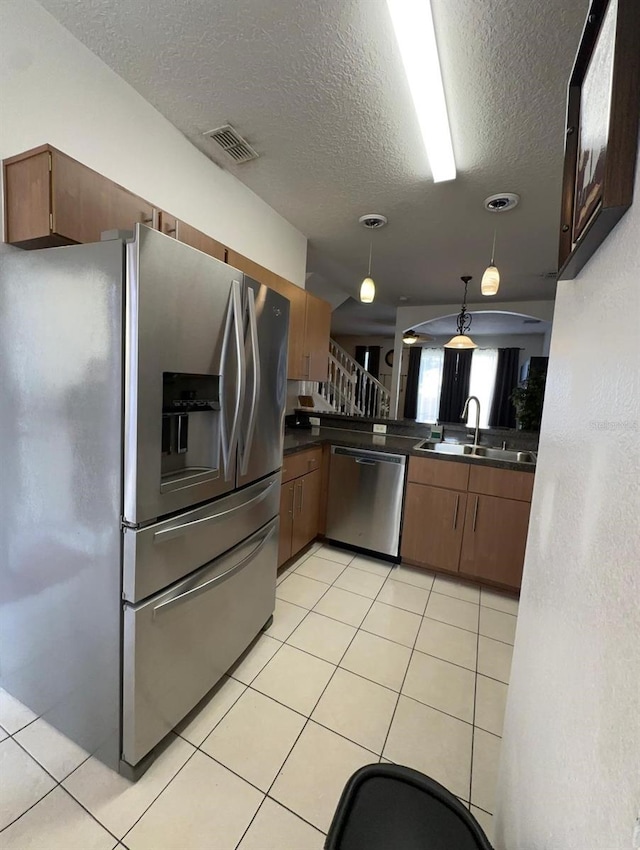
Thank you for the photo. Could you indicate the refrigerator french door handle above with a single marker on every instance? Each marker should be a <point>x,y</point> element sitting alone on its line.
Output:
<point>255,356</point>
<point>226,454</point>
<point>218,579</point>
<point>177,530</point>
<point>236,300</point>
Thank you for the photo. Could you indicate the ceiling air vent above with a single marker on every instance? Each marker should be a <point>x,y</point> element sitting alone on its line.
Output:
<point>232,144</point>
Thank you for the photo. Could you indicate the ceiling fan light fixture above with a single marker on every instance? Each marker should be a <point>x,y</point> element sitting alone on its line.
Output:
<point>413,25</point>
<point>410,338</point>
<point>367,291</point>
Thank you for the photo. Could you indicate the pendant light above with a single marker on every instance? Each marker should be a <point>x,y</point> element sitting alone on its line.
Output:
<point>410,338</point>
<point>372,222</point>
<point>491,277</point>
<point>463,323</point>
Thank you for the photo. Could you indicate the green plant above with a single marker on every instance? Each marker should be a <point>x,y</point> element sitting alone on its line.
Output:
<point>528,400</point>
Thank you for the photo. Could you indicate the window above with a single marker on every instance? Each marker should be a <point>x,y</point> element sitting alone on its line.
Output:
<point>484,364</point>
<point>429,384</point>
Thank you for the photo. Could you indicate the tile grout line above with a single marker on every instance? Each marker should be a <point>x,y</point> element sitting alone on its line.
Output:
<point>473,727</point>
<point>55,787</point>
<point>395,709</point>
<point>32,806</point>
<point>162,790</point>
<point>308,719</point>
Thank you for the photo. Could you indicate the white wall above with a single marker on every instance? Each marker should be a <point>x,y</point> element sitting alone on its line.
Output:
<point>570,770</point>
<point>53,89</point>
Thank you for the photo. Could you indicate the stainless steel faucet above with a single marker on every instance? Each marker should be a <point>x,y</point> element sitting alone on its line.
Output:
<point>465,412</point>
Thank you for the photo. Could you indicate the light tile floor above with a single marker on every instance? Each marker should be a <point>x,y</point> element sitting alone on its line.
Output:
<point>363,663</point>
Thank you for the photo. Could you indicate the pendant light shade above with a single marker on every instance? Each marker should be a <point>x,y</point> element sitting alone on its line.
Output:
<point>410,338</point>
<point>490,281</point>
<point>491,277</point>
<point>367,290</point>
<point>463,323</point>
<point>372,222</point>
<point>460,341</point>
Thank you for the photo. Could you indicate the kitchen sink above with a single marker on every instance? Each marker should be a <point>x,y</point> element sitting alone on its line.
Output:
<point>480,452</point>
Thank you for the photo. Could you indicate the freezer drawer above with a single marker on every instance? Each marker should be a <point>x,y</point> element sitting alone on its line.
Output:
<point>365,499</point>
<point>162,553</point>
<point>178,644</point>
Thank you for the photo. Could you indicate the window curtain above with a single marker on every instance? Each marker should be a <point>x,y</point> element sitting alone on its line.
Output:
<point>413,377</point>
<point>370,363</point>
<point>503,413</point>
<point>429,384</point>
<point>484,363</point>
<point>374,360</point>
<point>456,371</point>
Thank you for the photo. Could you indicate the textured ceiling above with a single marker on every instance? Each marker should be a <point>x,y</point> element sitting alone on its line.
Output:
<point>319,90</point>
<point>486,324</point>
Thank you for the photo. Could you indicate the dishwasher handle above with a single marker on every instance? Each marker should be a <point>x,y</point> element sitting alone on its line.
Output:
<point>367,457</point>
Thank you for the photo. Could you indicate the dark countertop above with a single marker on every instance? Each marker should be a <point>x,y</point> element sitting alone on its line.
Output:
<point>296,440</point>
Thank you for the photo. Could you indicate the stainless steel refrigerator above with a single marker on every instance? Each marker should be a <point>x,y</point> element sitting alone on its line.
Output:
<point>143,396</point>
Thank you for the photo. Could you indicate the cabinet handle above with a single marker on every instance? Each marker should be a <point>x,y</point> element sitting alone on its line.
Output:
<point>307,357</point>
<point>475,513</point>
<point>293,496</point>
<point>455,511</point>
<point>301,495</point>
<point>152,219</point>
<point>174,230</point>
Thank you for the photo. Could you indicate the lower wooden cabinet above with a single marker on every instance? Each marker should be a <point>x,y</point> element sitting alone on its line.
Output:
<point>474,522</point>
<point>300,502</point>
<point>433,526</point>
<point>287,493</point>
<point>306,510</point>
<point>495,537</point>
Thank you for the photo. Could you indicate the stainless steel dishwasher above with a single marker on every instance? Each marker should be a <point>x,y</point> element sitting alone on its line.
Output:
<point>365,499</point>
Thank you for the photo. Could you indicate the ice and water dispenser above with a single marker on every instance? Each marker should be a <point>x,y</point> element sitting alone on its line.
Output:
<point>190,427</point>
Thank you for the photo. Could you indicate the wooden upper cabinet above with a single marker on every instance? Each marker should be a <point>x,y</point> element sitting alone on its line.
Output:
<point>432,526</point>
<point>317,333</point>
<point>297,315</point>
<point>495,538</point>
<point>183,232</point>
<point>309,321</point>
<point>27,193</point>
<point>51,199</point>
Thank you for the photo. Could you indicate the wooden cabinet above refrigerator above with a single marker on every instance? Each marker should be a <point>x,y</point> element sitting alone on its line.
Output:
<point>52,199</point>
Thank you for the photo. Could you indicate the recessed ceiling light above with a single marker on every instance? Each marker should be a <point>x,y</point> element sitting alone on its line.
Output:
<point>403,298</point>
<point>413,24</point>
<point>501,202</point>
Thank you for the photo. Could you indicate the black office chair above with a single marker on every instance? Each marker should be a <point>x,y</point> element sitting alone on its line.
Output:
<point>389,807</point>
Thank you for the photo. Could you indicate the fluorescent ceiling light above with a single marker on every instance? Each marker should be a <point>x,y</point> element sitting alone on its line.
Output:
<point>413,25</point>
